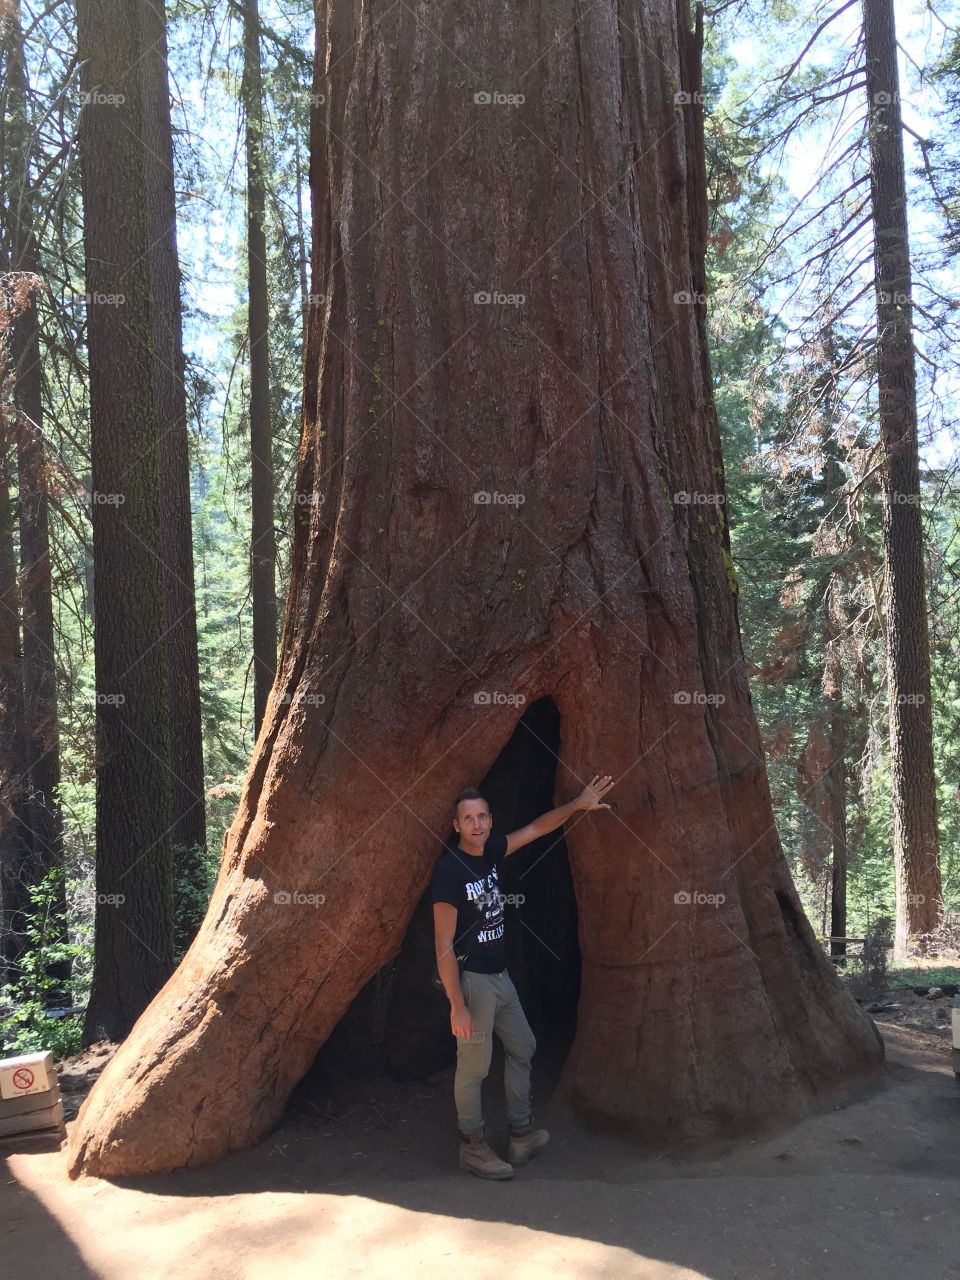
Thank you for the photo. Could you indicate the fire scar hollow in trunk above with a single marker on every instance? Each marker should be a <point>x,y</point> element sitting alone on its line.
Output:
<point>510,488</point>
<point>398,1026</point>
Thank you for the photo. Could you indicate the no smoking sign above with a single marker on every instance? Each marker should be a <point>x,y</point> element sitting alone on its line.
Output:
<point>22,1076</point>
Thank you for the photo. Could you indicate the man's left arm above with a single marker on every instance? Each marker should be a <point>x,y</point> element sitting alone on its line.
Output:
<point>588,800</point>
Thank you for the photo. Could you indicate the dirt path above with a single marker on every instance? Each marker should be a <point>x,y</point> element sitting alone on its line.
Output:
<point>367,1187</point>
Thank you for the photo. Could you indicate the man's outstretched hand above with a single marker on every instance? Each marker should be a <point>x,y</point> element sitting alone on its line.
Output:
<point>589,797</point>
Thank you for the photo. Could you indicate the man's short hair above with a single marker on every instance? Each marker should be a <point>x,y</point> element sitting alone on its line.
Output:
<point>471,793</point>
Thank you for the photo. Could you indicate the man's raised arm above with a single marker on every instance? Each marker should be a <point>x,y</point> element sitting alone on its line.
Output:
<point>588,799</point>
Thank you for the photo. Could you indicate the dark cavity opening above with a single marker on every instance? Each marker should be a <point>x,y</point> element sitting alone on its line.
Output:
<point>398,1026</point>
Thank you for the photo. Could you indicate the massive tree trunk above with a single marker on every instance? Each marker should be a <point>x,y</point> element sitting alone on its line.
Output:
<point>133,955</point>
<point>188,808</point>
<point>916,848</point>
<point>605,590</point>
<point>263,543</point>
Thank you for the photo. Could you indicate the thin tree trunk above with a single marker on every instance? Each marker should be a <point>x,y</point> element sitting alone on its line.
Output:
<point>592,400</point>
<point>188,812</point>
<point>263,550</point>
<point>915,839</point>
<point>303,263</point>
<point>821,767</point>
<point>20,863</point>
<point>133,923</point>
<point>835,622</point>
<point>837,783</point>
<point>41,724</point>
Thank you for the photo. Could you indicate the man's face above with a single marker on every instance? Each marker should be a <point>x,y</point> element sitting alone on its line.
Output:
<point>473,820</point>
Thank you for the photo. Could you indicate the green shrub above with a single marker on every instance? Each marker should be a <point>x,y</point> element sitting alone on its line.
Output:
<point>25,1025</point>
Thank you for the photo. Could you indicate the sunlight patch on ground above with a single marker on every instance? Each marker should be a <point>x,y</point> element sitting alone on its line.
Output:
<point>119,1232</point>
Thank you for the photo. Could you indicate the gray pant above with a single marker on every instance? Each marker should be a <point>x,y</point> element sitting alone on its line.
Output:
<point>494,1007</point>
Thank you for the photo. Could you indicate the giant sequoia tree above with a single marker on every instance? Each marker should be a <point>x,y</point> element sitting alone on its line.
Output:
<point>437,195</point>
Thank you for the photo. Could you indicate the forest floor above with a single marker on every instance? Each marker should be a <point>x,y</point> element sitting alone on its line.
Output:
<point>363,1183</point>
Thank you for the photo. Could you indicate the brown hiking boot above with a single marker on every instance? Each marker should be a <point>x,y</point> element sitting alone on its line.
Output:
<point>523,1145</point>
<point>477,1157</point>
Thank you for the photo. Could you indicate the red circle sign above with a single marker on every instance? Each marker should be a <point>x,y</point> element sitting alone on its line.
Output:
<point>22,1078</point>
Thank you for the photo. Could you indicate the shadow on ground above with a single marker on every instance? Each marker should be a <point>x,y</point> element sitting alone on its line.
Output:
<point>363,1181</point>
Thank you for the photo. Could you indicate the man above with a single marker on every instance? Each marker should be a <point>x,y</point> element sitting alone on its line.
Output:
<point>471,961</point>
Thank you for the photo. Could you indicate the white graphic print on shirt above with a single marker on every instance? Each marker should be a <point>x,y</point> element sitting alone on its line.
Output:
<point>486,897</point>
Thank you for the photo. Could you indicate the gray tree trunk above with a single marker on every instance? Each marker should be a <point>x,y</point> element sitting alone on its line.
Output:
<point>134,914</point>
<point>263,548</point>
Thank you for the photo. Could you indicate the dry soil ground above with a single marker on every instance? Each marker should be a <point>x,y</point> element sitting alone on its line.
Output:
<point>363,1183</point>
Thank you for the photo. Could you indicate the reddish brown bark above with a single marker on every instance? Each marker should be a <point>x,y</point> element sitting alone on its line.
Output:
<point>407,598</point>
<point>916,849</point>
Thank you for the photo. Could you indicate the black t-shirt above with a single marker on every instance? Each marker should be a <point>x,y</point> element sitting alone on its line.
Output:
<point>472,886</point>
